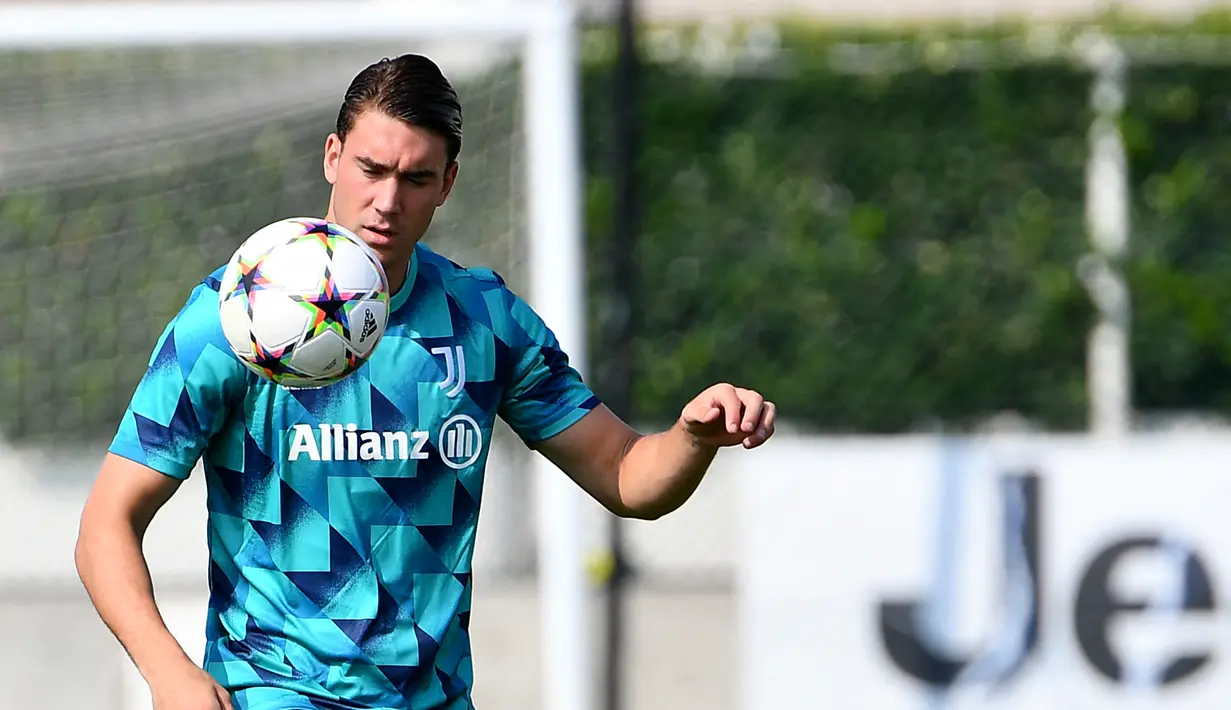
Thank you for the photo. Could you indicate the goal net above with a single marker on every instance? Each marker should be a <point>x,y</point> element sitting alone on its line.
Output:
<point>127,175</point>
<point>129,170</point>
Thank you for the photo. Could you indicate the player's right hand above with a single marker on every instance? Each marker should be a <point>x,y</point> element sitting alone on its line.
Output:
<point>191,689</point>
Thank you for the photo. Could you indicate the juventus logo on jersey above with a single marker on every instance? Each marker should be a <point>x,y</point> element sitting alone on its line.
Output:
<point>455,369</point>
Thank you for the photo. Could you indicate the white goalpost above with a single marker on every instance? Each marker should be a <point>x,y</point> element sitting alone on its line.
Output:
<point>539,35</point>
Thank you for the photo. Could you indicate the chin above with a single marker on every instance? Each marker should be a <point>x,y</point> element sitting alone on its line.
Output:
<point>392,256</point>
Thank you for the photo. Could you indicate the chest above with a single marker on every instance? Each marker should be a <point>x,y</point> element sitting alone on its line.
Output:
<point>418,400</point>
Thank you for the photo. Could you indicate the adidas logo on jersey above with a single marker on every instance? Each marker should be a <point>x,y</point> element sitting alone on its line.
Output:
<point>459,444</point>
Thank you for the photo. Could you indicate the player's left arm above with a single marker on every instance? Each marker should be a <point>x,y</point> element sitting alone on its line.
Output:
<point>647,476</point>
<point>633,475</point>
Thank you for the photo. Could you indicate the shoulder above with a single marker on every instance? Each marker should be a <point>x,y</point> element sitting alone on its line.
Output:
<point>196,329</point>
<point>212,281</point>
<point>192,349</point>
<point>201,304</point>
<point>453,277</point>
<point>482,294</point>
<point>479,293</point>
<point>200,299</point>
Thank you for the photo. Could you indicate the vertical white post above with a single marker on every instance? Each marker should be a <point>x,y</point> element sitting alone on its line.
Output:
<point>557,292</point>
<point>554,204</point>
<point>1109,374</point>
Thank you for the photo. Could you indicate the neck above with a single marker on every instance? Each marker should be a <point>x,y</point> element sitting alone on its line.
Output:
<point>397,275</point>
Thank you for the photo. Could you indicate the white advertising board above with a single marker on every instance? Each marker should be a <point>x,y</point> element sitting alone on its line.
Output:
<point>1014,574</point>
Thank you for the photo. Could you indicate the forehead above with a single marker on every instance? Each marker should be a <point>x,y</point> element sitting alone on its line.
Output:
<point>389,141</point>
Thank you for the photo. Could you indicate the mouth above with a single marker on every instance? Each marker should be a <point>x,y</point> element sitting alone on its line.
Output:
<point>382,234</point>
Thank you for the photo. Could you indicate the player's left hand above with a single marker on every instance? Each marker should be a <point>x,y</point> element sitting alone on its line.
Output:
<point>725,415</point>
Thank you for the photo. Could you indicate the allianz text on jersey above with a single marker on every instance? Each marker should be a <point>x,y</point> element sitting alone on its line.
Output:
<point>459,443</point>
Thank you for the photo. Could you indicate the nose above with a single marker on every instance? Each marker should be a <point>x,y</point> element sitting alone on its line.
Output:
<point>385,200</point>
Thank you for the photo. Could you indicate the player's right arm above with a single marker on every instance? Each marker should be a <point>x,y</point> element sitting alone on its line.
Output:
<point>121,505</point>
<point>187,391</point>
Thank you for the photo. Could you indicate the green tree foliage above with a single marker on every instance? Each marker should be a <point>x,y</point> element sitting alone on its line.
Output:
<point>876,252</point>
<point>1179,149</point>
<point>896,249</point>
<point>879,251</point>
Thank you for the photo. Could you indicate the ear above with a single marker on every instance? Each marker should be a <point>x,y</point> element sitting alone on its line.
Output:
<point>333,155</point>
<point>450,179</point>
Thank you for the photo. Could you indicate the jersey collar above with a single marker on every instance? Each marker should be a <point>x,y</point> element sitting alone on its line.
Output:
<point>403,293</point>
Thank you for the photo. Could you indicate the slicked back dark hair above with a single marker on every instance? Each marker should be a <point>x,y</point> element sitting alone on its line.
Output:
<point>410,88</point>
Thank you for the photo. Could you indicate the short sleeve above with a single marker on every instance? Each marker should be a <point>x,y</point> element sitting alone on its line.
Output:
<point>184,396</point>
<point>544,394</point>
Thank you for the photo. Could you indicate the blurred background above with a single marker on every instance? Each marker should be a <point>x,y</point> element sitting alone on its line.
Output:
<point>975,250</point>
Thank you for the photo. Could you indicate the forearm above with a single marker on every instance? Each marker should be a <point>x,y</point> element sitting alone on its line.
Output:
<point>117,578</point>
<point>660,472</point>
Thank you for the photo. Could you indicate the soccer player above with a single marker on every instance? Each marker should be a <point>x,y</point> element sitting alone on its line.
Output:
<point>339,575</point>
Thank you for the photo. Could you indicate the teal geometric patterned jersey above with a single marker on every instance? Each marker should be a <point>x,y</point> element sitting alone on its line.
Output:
<point>342,520</point>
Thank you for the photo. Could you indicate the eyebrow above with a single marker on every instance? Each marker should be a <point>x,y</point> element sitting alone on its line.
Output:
<point>374,166</point>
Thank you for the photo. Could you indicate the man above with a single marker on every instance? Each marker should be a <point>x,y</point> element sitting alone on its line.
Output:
<point>346,583</point>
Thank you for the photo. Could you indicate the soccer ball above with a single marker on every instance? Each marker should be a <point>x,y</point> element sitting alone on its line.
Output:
<point>303,302</point>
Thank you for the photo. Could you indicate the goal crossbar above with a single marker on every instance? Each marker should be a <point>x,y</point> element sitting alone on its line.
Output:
<point>66,25</point>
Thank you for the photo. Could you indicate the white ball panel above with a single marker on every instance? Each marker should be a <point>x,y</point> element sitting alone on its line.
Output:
<point>294,382</point>
<point>367,325</point>
<point>354,269</point>
<point>357,241</point>
<point>266,238</point>
<point>230,278</point>
<point>276,319</point>
<point>322,356</point>
<point>298,266</point>
<point>236,326</point>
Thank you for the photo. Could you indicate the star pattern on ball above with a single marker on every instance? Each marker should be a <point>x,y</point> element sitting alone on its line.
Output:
<point>323,234</point>
<point>329,308</point>
<point>271,361</point>
<point>314,226</point>
<point>250,281</point>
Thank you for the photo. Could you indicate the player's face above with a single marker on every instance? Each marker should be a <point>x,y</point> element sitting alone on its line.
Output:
<point>388,179</point>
